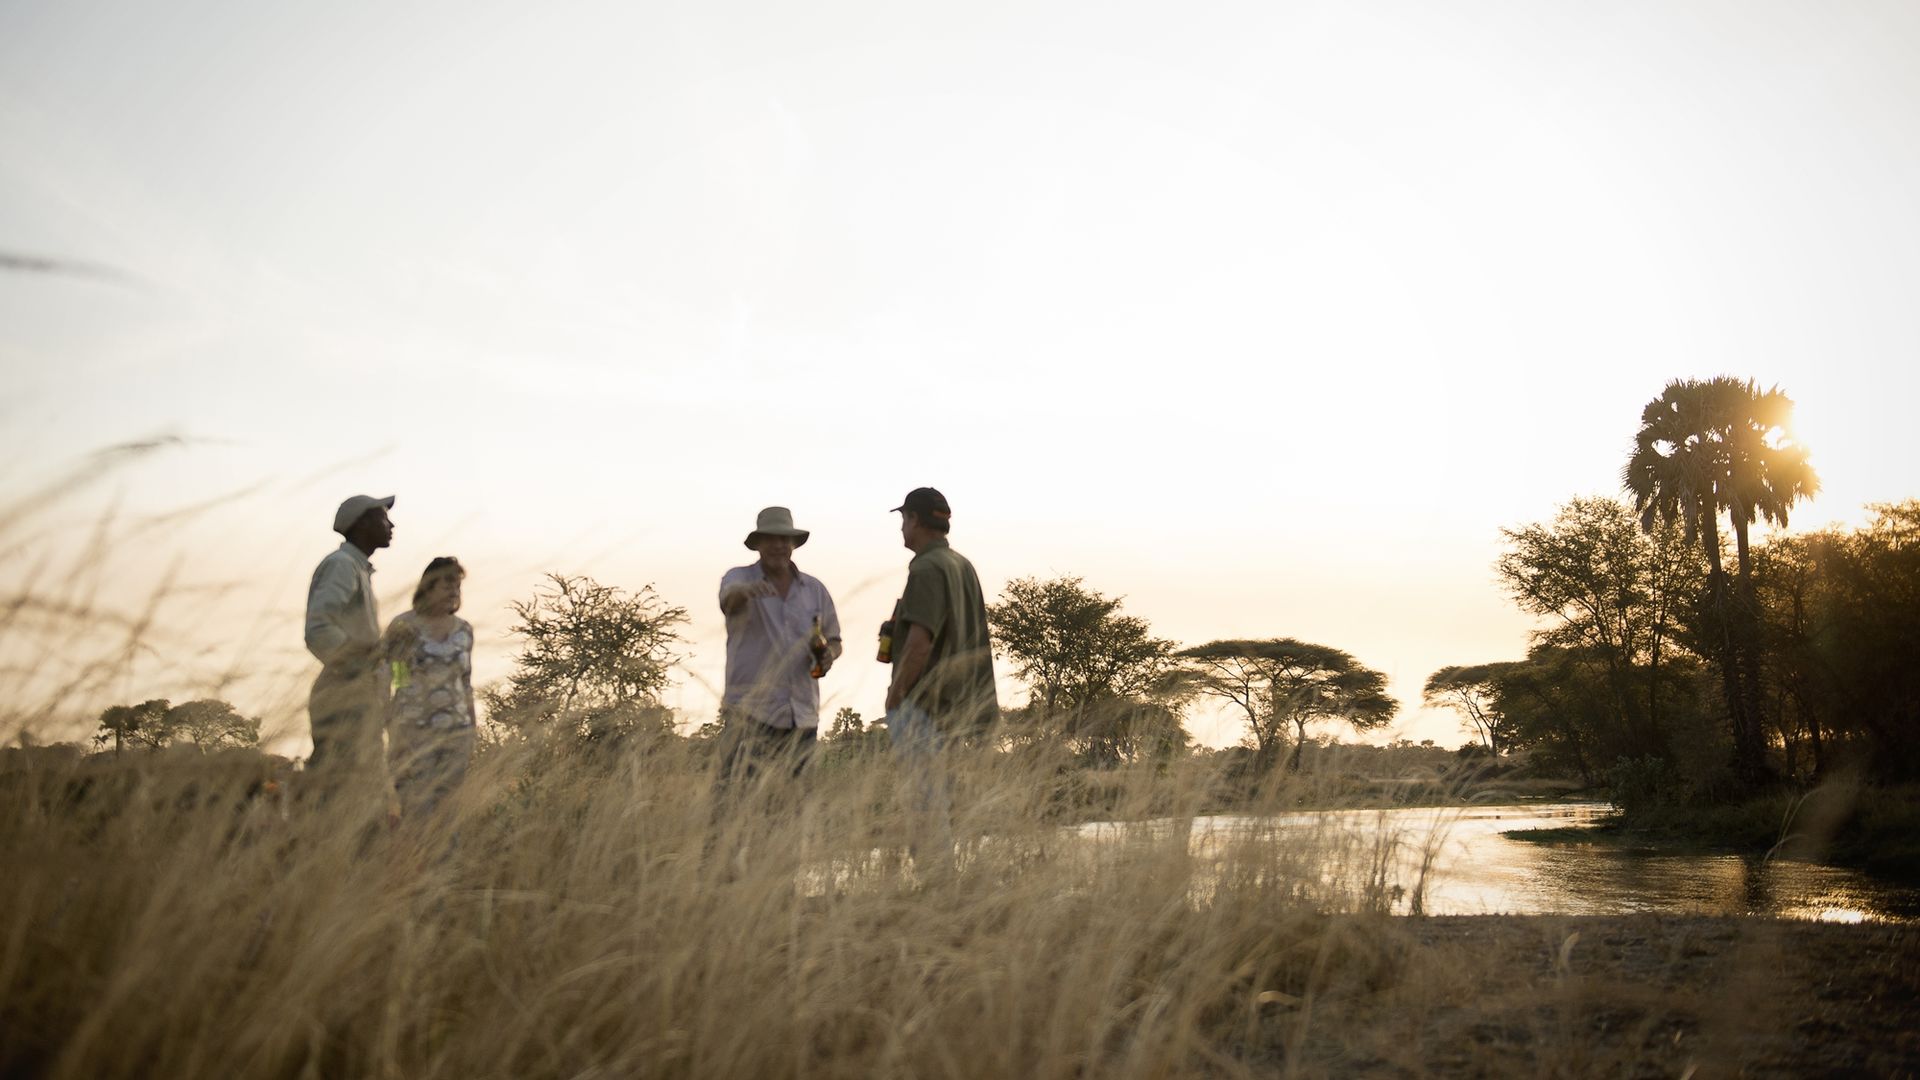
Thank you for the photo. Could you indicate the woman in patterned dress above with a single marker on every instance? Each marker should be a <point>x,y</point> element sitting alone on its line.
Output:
<point>430,722</point>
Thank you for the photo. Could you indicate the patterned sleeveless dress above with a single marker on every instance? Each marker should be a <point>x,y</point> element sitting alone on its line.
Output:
<point>430,731</point>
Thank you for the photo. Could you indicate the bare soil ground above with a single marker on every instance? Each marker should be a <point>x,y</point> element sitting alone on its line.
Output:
<point>1636,996</point>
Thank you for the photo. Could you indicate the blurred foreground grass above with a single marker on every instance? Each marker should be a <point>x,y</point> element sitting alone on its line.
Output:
<point>178,915</point>
<point>592,915</point>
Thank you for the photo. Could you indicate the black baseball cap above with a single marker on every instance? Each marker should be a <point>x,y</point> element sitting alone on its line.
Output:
<point>925,500</point>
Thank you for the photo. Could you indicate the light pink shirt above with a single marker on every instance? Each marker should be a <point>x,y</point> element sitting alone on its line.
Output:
<point>767,656</point>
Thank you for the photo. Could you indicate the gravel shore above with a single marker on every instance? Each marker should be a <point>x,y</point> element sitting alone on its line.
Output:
<point>1627,996</point>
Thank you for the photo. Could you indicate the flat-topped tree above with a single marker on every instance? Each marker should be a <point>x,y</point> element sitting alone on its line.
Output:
<point>1469,689</point>
<point>213,725</point>
<point>144,724</point>
<point>1282,685</point>
<point>207,724</point>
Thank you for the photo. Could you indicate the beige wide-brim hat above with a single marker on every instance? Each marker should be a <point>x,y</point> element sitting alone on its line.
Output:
<point>775,521</point>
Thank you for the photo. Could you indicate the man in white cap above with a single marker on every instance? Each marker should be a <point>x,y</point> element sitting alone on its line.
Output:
<point>348,705</point>
<point>771,705</point>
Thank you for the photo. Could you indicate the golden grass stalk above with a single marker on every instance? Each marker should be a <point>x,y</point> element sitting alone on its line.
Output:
<point>583,914</point>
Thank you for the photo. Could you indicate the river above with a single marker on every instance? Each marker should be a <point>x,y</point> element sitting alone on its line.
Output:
<point>1472,868</point>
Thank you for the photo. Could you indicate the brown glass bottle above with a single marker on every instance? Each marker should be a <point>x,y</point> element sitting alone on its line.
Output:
<point>818,645</point>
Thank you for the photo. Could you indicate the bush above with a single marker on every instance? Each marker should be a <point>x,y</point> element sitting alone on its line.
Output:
<point>1640,785</point>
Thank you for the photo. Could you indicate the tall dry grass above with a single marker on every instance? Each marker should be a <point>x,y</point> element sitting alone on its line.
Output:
<point>581,915</point>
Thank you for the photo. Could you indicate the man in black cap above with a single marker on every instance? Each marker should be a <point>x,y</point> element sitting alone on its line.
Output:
<point>348,705</point>
<point>942,683</point>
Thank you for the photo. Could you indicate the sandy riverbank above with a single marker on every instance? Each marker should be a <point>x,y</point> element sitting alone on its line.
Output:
<point>1627,996</point>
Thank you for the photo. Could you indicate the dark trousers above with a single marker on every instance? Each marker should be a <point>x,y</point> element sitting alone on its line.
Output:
<point>759,768</point>
<point>348,715</point>
<point>755,750</point>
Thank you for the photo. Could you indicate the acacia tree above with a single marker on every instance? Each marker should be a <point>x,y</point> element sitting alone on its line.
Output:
<point>1470,691</point>
<point>1099,675</point>
<point>847,724</point>
<point>144,724</point>
<point>1553,704</point>
<point>1612,591</point>
<point>1713,447</point>
<point>213,725</point>
<point>1071,645</point>
<point>1282,686</point>
<point>594,661</point>
<point>156,724</point>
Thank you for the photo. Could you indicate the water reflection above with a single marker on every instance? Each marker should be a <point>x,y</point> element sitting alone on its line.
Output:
<point>1455,861</point>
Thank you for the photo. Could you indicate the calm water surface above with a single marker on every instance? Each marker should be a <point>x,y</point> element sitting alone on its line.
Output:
<point>1473,869</point>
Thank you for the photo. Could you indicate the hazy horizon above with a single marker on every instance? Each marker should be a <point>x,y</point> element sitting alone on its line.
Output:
<point>1266,317</point>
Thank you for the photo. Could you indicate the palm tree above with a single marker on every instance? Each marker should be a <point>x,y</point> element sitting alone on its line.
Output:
<point>1770,473</point>
<point>1713,446</point>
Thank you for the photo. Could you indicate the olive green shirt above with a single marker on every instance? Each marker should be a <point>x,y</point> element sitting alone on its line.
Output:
<point>943,596</point>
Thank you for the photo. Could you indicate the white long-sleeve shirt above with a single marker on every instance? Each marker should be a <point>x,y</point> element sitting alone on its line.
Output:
<point>342,624</point>
<point>767,654</point>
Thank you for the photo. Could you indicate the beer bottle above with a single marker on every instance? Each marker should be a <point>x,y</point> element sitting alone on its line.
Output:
<point>885,654</point>
<point>818,643</point>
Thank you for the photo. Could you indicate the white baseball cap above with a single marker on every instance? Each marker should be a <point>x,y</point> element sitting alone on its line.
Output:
<point>353,509</point>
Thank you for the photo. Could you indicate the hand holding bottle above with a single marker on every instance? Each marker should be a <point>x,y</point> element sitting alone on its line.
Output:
<point>818,645</point>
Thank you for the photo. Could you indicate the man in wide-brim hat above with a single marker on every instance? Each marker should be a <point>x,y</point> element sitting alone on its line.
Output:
<point>771,705</point>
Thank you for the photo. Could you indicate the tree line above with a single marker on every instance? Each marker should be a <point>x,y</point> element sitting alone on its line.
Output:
<point>1674,676</point>
<point>1658,667</point>
<point>1631,672</point>
<point>594,660</point>
<point>1098,680</point>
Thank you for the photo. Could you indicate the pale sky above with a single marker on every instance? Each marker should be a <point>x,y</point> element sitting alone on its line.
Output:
<point>1265,316</point>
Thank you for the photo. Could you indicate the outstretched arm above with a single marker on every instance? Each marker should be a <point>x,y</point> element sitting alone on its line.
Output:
<point>733,598</point>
